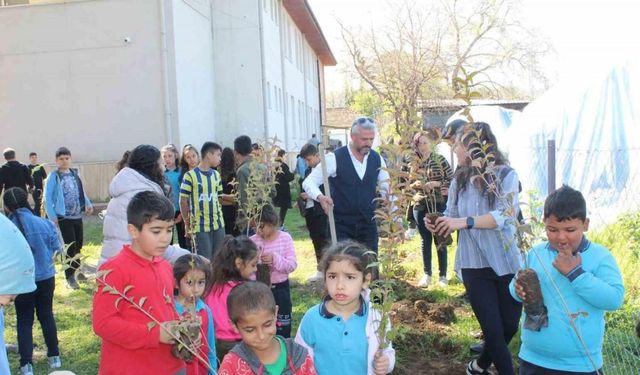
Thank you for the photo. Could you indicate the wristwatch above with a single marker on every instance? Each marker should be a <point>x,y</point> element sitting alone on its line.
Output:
<point>470,222</point>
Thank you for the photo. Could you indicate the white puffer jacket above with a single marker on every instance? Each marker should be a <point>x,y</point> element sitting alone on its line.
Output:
<point>127,183</point>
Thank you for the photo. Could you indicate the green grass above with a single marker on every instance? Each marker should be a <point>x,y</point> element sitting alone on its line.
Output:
<point>422,347</point>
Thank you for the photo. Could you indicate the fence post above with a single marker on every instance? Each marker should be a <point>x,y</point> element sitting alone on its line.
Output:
<point>551,166</point>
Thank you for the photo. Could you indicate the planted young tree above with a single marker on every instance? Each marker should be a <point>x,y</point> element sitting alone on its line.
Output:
<point>259,191</point>
<point>390,213</point>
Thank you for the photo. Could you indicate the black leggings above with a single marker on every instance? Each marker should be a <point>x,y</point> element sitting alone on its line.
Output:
<point>497,312</point>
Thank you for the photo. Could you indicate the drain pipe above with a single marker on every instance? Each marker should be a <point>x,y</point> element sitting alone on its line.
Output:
<point>165,74</point>
<point>265,113</point>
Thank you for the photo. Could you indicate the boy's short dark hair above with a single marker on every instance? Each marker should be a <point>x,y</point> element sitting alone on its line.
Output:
<point>242,145</point>
<point>32,153</point>
<point>9,153</point>
<point>281,153</point>
<point>147,206</point>
<point>208,147</point>
<point>565,204</point>
<point>308,150</point>
<point>248,297</point>
<point>62,151</point>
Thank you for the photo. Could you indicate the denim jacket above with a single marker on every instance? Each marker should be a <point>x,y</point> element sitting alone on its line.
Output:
<point>42,236</point>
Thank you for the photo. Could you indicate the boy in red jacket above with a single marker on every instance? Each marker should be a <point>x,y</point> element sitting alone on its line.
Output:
<point>253,312</point>
<point>132,342</point>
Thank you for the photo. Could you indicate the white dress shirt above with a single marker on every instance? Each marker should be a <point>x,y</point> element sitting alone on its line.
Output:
<point>311,184</point>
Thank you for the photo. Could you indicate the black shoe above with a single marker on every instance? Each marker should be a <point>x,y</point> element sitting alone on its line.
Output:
<point>471,371</point>
<point>81,277</point>
<point>72,283</point>
<point>477,347</point>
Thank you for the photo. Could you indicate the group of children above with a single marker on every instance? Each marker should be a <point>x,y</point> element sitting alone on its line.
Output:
<point>245,324</point>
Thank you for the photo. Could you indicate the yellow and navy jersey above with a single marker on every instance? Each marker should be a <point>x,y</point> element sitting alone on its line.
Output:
<point>202,189</point>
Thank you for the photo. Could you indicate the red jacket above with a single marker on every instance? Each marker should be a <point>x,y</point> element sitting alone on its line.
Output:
<point>130,343</point>
<point>241,361</point>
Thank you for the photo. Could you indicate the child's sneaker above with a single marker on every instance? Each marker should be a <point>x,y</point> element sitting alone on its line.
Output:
<point>443,281</point>
<point>26,369</point>
<point>55,362</point>
<point>471,369</point>
<point>425,281</point>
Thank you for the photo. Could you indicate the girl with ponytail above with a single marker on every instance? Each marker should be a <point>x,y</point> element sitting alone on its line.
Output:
<point>42,236</point>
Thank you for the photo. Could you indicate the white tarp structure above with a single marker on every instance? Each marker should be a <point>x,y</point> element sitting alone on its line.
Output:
<point>596,127</point>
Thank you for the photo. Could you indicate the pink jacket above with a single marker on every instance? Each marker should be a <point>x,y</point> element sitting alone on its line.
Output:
<point>217,302</point>
<point>284,255</point>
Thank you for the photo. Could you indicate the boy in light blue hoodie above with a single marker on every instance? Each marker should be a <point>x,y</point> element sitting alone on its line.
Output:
<point>589,281</point>
<point>17,275</point>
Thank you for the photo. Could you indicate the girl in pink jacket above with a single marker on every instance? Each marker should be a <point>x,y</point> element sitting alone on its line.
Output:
<point>275,249</point>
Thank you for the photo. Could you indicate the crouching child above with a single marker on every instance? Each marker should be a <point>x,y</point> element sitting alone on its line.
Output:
<point>253,313</point>
<point>589,281</point>
<point>132,340</point>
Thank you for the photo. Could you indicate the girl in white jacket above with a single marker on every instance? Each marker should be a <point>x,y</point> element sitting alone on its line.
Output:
<point>142,173</point>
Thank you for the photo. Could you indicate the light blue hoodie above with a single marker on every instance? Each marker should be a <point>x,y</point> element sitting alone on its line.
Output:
<point>17,270</point>
<point>589,291</point>
<point>17,273</point>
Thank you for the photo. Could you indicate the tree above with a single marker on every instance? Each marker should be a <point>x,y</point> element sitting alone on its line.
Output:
<point>426,49</point>
<point>397,61</point>
<point>484,39</point>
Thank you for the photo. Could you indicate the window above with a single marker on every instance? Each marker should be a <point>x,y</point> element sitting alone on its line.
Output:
<point>269,95</point>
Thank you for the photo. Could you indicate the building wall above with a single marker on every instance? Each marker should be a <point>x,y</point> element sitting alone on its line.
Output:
<point>238,78</point>
<point>194,76</point>
<point>68,77</point>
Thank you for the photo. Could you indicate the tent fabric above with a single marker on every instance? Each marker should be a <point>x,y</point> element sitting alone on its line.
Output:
<point>596,128</point>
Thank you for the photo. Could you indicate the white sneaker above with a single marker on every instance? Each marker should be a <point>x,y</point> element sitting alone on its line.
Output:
<point>315,277</point>
<point>410,233</point>
<point>425,281</point>
<point>443,281</point>
<point>54,362</point>
<point>26,369</point>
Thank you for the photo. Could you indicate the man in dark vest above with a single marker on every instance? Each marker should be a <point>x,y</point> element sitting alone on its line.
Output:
<point>355,177</point>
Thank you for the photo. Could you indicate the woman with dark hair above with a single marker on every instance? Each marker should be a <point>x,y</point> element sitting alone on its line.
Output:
<point>483,198</point>
<point>228,176</point>
<point>144,172</point>
<point>43,240</point>
<point>283,189</point>
<point>430,178</point>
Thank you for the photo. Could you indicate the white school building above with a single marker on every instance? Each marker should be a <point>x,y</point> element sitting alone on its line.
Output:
<point>102,76</point>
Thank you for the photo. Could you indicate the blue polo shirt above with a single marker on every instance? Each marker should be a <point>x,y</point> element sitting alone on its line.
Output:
<point>339,346</point>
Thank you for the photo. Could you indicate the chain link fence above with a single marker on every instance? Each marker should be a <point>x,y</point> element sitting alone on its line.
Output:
<point>610,183</point>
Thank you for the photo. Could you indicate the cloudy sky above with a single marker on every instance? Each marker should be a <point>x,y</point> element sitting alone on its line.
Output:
<point>588,35</point>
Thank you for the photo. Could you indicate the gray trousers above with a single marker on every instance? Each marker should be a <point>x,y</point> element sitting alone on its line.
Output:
<point>208,243</point>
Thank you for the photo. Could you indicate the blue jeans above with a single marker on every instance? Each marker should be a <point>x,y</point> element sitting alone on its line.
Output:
<point>39,302</point>
<point>427,239</point>
<point>208,242</point>
<point>497,312</point>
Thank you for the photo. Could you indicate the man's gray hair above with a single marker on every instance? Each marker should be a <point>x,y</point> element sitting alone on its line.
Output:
<point>366,123</point>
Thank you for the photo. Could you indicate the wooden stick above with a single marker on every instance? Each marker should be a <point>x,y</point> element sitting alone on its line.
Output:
<point>327,192</point>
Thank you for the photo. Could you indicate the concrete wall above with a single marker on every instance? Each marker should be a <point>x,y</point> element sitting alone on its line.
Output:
<point>194,76</point>
<point>67,77</point>
<point>238,79</point>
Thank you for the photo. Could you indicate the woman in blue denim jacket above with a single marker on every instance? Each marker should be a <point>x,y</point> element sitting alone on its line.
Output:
<point>44,242</point>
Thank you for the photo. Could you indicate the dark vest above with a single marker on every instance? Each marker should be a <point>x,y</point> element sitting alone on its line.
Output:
<point>351,195</point>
